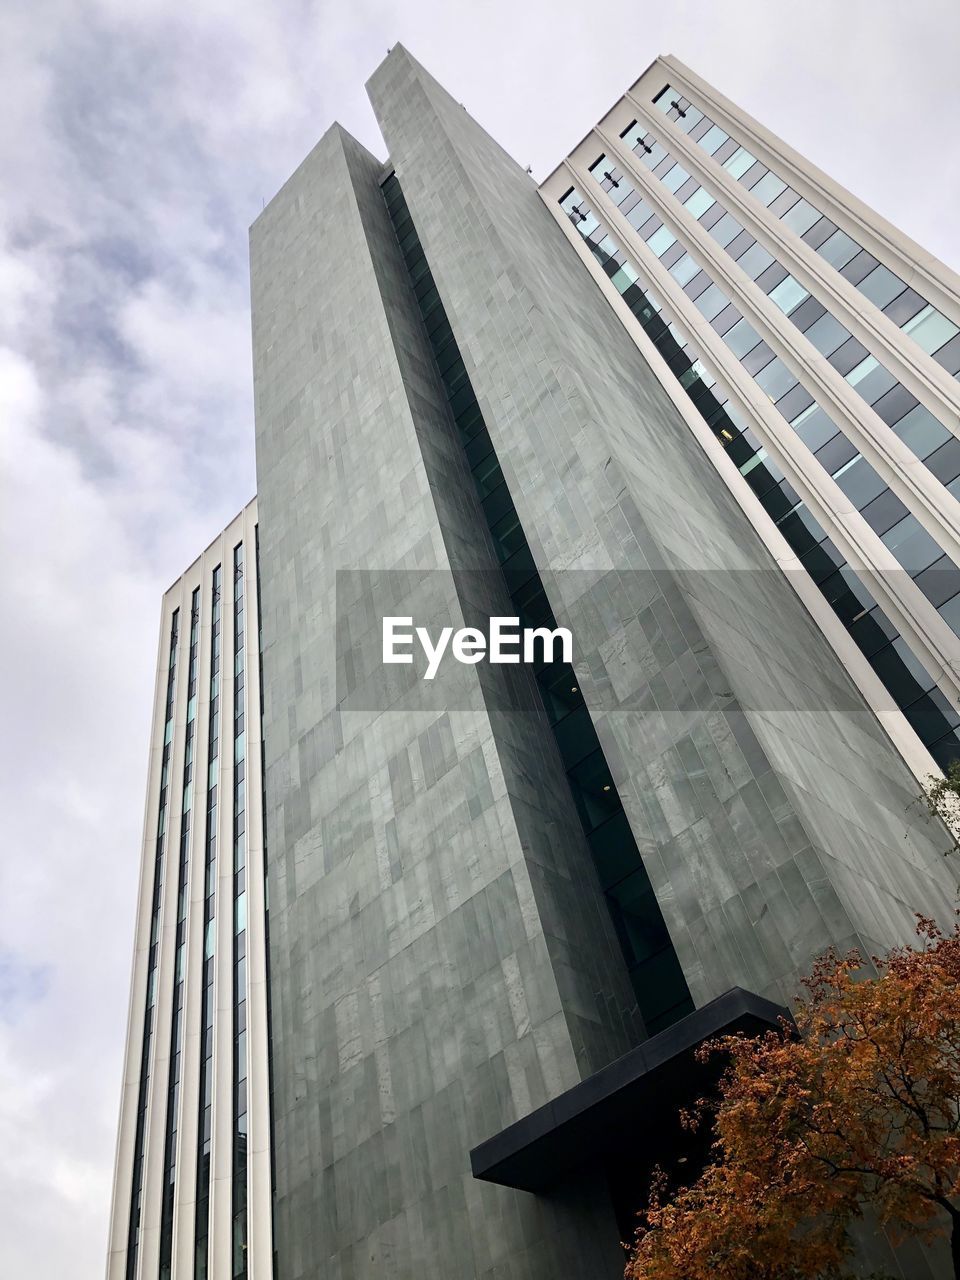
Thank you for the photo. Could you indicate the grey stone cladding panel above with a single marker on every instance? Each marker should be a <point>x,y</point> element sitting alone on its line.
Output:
<point>772,812</point>
<point>441,962</point>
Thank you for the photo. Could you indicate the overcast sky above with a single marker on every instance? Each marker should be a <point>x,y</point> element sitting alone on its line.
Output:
<point>138,140</point>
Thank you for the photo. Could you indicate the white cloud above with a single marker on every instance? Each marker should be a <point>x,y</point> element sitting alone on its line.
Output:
<point>137,143</point>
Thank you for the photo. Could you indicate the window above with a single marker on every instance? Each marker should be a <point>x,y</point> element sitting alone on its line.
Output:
<point>711,302</point>
<point>789,293</point>
<point>801,217</point>
<point>775,379</point>
<point>713,139</point>
<point>684,270</point>
<point>860,482</point>
<point>881,286</point>
<point>661,241</point>
<point>742,338</point>
<point>725,230</point>
<point>930,330</point>
<point>827,334</point>
<point>907,306</point>
<point>914,548</point>
<point>699,202</point>
<point>768,188</point>
<point>871,379</point>
<point>839,249</point>
<point>739,162</point>
<point>755,261</point>
<point>920,431</point>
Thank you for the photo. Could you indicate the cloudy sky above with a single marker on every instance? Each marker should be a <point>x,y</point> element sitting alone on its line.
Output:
<point>138,140</point>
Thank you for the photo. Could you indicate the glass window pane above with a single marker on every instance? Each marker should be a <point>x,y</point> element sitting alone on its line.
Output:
<point>881,286</point>
<point>739,162</point>
<point>848,356</point>
<point>908,307</point>
<point>896,404</point>
<point>711,302</point>
<point>654,156</point>
<point>768,188</point>
<point>883,512</point>
<point>950,613</point>
<point>795,402</point>
<point>739,245</point>
<point>836,454</point>
<point>788,294</point>
<point>930,330</point>
<point>859,267</point>
<point>871,379</point>
<point>755,261</point>
<point>614,850</point>
<point>684,270</point>
<point>588,224</point>
<point>802,529</point>
<point>639,214</point>
<point>593,790</point>
<point>690,120</point>
<point>699,202</point>
<point>661,241</point>
<point>784,201</point>
<point>819,232</point>
<point>725,230</point>
<point>741,338</point>
<point>624,278</point>
<point>827,334</point>
<point>901,672</point>
<point>939,583</point>
<point>912,545</point>
<point>839,249</point>
<point>801,217</point>
<point>920,431</point>
<point>948,356</point>
<point>754,174</point>
<point>775,379</point>
<point>726,151</point>
<point>727,318</point>
<point>674,178</point>
<point>860,482</point>
<point>713,139</point>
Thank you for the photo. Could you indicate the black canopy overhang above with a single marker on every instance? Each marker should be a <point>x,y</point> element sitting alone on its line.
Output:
<point>628,1107</point>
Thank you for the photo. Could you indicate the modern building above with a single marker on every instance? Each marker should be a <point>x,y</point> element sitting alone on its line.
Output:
<point>192,1194</point>
<point>688,399</point>
<point>818,346</point>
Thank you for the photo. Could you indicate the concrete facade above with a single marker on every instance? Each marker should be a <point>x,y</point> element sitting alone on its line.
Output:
<point>769,805</point>
<point>441,961</point>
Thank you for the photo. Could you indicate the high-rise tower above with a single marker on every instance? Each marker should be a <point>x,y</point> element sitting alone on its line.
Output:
<point>687,399</point>
<point>193,1187</point>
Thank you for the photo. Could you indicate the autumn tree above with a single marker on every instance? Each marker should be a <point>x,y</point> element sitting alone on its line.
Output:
<point>855,1106</point>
